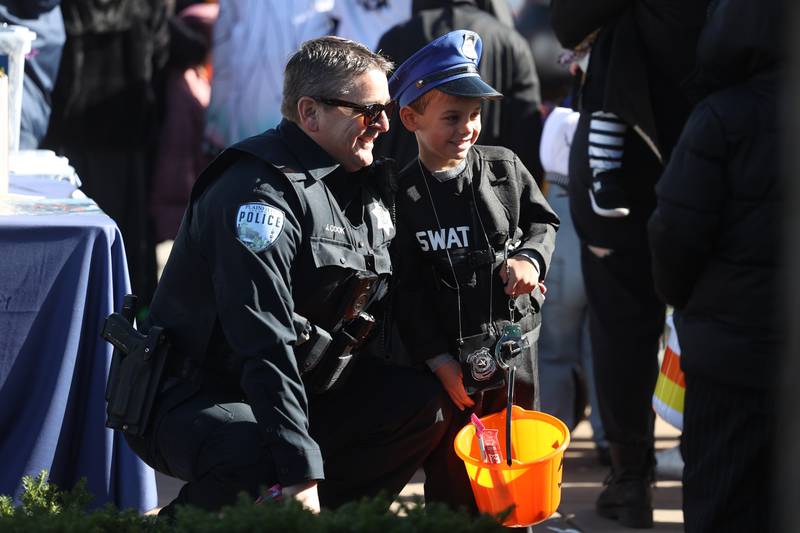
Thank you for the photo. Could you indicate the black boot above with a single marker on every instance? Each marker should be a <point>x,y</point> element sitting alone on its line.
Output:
<point>628,496</point>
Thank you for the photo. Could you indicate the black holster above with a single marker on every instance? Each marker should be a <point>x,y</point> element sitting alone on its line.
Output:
<point>137,366</point>
<point>336,363</point>
<point>324,359</point>
<point>311,346</point>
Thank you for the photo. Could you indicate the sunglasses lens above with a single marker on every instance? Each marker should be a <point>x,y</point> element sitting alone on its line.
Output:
<point>373,112</point>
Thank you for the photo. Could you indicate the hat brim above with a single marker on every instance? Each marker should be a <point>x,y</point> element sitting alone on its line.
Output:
<point>470,86</point>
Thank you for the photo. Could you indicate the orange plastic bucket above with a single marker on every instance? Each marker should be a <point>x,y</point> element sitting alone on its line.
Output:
<point>532,484</point>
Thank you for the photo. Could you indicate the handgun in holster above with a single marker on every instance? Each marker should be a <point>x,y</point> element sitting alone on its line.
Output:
<point>334,367</point>
<point>137,365</point>
<point>323,370</point>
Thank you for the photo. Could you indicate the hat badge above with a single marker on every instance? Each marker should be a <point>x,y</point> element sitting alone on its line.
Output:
<point>468,47</point>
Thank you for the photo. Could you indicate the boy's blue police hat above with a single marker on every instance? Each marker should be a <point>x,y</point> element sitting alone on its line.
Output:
<point>448,63</point>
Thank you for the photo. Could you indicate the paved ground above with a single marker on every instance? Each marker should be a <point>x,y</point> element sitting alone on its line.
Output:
<point>583,481</point>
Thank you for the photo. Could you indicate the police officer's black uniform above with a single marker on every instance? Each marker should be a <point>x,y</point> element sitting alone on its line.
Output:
<point>461,227</point>
<point>275,226</point>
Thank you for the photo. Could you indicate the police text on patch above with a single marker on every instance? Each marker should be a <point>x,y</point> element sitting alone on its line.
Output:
<point>258,226</point>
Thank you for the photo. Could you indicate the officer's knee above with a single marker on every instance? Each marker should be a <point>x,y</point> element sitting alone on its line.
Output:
<point>251,479</point>
<point>242,461</point>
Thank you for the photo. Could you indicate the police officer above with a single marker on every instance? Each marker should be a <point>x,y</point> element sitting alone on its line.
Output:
<point>285,240</point>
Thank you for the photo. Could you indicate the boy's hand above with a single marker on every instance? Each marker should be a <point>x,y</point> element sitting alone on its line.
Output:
<point>450,375</point>
<point>520,276</point>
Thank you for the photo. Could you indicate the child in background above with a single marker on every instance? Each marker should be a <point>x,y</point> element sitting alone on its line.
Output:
<point>475,237</point>
<point>180,157</point>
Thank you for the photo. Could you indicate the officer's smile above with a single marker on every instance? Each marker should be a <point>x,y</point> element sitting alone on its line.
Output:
<point>368,138</point>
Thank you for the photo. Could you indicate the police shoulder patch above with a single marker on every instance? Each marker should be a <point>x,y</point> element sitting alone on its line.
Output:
<point>258,226</point>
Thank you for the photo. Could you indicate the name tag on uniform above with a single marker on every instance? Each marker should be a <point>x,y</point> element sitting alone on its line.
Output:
<point>258,226</point>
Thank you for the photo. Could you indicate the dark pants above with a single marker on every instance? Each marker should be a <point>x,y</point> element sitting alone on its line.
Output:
<point>212,442</point>
<point>384,425</point>
<point>374,433</point>
<point>378,429</point>
<point>626,320</point>
<point>727,448</point>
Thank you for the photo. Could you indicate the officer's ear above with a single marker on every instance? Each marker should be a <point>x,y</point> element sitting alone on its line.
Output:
<point>409,118</point>
<point>308,111</point>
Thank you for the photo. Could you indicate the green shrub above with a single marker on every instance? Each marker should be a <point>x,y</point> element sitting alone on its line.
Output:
<point>47,509</point>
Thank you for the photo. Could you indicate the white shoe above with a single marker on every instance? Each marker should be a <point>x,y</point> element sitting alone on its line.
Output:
<point>669,463</point>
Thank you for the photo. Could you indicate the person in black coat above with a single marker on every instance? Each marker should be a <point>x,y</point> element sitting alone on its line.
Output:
<point>715,239</point>
<point>643,51</point>
<point>507,65</point>
<point>105,114</point>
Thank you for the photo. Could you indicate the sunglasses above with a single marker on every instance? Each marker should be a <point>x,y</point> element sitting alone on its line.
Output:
<point>371,112</point>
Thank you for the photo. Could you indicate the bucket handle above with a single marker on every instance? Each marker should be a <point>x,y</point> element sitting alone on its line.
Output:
<point>512,370</point>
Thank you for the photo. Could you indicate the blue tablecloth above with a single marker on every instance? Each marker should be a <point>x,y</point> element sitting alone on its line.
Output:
<point>62,271</point>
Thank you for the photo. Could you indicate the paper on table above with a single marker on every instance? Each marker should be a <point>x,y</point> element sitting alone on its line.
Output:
<point>44,164</point>
<point>47,206</point>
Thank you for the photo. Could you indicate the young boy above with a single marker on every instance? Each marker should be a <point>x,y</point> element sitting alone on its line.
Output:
<point>474,239</point>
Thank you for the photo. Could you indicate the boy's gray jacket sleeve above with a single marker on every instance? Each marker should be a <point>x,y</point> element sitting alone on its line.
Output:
<point>537,220</point>
<point>516,189</point>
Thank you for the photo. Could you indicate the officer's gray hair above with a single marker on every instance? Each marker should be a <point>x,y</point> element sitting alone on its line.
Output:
<point>326,67</point>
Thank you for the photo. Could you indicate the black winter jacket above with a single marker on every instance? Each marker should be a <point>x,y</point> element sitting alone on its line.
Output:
<point>506,64</point>
<point>715,234</point>
<point>106,90</point>
<point>644,51</point>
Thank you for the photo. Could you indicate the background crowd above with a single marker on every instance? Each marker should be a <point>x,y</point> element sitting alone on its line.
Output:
<point>141,94</point>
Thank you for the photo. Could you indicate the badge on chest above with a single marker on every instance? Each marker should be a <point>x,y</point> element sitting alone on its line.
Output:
<point>444,238</point>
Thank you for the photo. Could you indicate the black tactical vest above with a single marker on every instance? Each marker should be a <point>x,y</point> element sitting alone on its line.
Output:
<point>333,252</point>
<point>462,227</point>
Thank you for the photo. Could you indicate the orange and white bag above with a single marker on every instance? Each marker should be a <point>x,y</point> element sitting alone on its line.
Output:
<point>670,387</point>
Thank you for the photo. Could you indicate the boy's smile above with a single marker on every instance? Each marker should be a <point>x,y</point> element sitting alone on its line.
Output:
<point>445,130</point>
